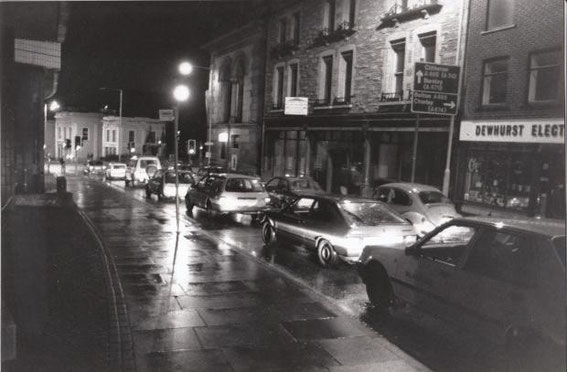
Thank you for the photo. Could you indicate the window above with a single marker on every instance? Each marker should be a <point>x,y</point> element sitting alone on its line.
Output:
<point>500,14</point>
<point>448,245</point>
<point>283,30</point>
<point>428,43</point>
<point>494,81</point>
<point>58,132</point>
<point>223,150</point>
<point>346,76</point>
<point>114,135</point>
<point>295,29</point>
<point>293,79</point>
<point>302,206</point>
<point>330,16</point>
<point>234,141</point>
<point>131,136</point>
<point>399,48</point>
<point>108,135</point>
<point>278,104</point>
<point>85,136</point>
<point>349,11</point>
<point>399,197</point>
<point>327,78</point>
<point>151,137</point>
<point>545,76</point>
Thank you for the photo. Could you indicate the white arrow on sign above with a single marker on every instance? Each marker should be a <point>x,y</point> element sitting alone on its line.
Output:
<point>419,75</point>
<point>450,104</point>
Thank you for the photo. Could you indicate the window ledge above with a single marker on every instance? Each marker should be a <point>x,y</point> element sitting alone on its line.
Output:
<point>495,107</point>
<point>503,28</point>
<point>275,111</point>
<point>333,107</point>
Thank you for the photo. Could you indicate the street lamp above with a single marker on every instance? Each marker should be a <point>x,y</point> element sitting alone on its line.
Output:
<point>181,94</point>
<point>119,114</point>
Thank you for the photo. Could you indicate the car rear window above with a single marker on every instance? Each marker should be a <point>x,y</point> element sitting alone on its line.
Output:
<point>145,163</point>
<point>559,244</point>
<point>184,177</point>
<point>369,213</point>
<point>432,197</point>
<point>119,166</point>
<point>243,185</point>
<point>304,185</point>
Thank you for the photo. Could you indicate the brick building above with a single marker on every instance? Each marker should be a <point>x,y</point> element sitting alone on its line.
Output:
<point>235,97</point>
<point>354,61</point>
<point>511,152</point>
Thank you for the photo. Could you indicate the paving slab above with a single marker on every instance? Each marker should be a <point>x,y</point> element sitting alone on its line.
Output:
<point>315,329</point>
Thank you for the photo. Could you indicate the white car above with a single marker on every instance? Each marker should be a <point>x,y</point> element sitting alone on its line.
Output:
<point>115,171</point>
<point>141,169</point>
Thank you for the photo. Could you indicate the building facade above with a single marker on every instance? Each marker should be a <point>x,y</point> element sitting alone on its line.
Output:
<point>354,61</point>
<point>77,136</point>
<point>235,97</point>
<point>126,136</point>
<point>511,158</point>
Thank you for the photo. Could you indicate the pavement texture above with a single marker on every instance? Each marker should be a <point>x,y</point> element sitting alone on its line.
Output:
<point>126,292</point>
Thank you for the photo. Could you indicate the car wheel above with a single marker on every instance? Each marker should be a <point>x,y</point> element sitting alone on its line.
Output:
<point>148,192</point>
<point>268,233</point>
<point>326,254</point>
<point>379,289</point>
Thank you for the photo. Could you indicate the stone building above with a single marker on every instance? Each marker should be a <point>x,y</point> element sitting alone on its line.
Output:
<point>77,136</point>
<point>511,158</point>
<point>129,136</point>
<point>235,97</point>
<point>354,61</point>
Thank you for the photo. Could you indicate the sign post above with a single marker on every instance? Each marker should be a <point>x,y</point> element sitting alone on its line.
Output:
<point>435,92</point>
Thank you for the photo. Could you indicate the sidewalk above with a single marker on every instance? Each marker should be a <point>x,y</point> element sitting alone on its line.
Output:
<point>215,308</point>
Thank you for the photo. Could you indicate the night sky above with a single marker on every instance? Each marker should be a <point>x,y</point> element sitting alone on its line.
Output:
<point>136,46</point>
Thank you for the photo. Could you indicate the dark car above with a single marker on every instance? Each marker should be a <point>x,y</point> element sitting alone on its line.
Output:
<point>95,167</point>
<point>163,184</point>
<point>284,190</point>
<point>503,279</point>
<point>336,226</point>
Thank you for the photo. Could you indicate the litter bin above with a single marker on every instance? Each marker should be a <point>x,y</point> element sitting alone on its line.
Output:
<point>61,184</point>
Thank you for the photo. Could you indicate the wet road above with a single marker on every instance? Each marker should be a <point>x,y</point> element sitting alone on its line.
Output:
<point>421,336</point>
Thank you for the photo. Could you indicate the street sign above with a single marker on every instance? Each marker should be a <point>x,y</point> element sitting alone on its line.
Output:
<point>208,143</point>
<point>436,89</point>
<point>166,115</point>
<point>296,106</point>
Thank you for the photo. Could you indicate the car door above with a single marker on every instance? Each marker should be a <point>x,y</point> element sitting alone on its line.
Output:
<point>272,190</point>
<point>197,193</point>
<point>427,277</point>
<point>292,219</point>
<point>498,284</point>
<point>324,220</point>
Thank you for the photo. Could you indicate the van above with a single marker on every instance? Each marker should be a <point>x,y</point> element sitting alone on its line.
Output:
<point>141,169</point>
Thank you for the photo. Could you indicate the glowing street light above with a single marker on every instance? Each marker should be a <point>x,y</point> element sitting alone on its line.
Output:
<point>181,94</point>
<point>185,68</point>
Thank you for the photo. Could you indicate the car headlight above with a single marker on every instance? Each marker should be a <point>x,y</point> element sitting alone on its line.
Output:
<point>267,200</point>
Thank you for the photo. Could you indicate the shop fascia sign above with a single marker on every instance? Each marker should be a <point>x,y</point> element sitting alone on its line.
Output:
<point>296,106</point>
<point>514,130</point>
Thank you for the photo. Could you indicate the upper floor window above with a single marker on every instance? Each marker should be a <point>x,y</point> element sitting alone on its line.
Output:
<point>279,86</point>
<point>399,48</point>
<point>131,136</point>
<point>428,42</point>
<point>283,30</point>
<point>295,27</point>
<point>234,140</point>
<point>345,71</point>
<point>330,9</point>
<point>108,135</point>
<point>58,132</point>
<point>494,81</point>
<point>293,79</point>
<point>114,135</point>
<point>349,12</point>
<point>327,78</point>
<point>500,14</point>
<point>545,76</point>
<point>85,136</point>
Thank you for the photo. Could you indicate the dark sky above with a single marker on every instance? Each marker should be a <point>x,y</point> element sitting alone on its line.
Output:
<point>136,46</point>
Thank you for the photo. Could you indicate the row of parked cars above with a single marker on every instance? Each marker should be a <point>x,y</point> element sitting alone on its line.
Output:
<point>502,278</point>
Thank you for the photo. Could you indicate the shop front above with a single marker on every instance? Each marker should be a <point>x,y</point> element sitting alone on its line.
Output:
<point>512,168</point>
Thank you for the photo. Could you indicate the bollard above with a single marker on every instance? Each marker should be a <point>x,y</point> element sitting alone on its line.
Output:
<point>61,184</point>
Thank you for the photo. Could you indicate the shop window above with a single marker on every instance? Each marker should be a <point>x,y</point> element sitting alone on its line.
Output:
<point>545,76</point>
<point>500,14</point>
<point>293,79</point>
<point>345,71</point>
<point>295,27</point>
<point>428,42</point>
<point>279,87</point>
<point>495,81</point>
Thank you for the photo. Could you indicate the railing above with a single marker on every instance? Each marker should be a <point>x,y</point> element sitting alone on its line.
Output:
<point>285,49</point>
<point>322,102</point>
<point>411,7</point>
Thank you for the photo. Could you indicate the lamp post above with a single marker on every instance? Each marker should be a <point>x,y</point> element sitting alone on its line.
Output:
<point>181,94</point>
<point>119,114</point>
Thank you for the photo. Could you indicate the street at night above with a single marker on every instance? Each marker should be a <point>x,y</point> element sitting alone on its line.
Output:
<point>291,185</point>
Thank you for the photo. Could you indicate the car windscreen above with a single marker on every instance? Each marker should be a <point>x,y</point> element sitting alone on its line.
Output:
<point>144,163</point>
<point>243,185</point>
<point>184,177</point>
<point>559,244</point>
<point>432,197</point>
<point>304,185</point>
<point>119,166</point>
<point>369,213</point>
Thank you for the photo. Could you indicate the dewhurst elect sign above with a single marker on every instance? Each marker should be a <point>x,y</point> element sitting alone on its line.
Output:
<point>518,130</point>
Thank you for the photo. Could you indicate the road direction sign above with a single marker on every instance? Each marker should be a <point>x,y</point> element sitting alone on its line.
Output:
<point>166,115</point>
<point>436,89</point>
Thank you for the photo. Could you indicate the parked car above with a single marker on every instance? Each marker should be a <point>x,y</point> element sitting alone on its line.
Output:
<point>284,190</point>
<point>115,171</point>
<point>336,226</point>
<point>425,206</point>
<point>140,169</point>
<point>207,170</point>
<point>95,167</point>
<point>228,193</point>
<point>163,184</point>
<point>502,278</point>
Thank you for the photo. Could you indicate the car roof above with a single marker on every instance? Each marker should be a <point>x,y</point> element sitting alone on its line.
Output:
<point>294,178</point>
<point>411,187</point>
<point>337,198</point>
<point>545,227</point>
<point>238,175</point>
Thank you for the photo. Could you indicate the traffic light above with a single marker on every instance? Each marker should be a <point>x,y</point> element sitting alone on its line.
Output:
<point>68,143</point>
<point>191,147</point>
